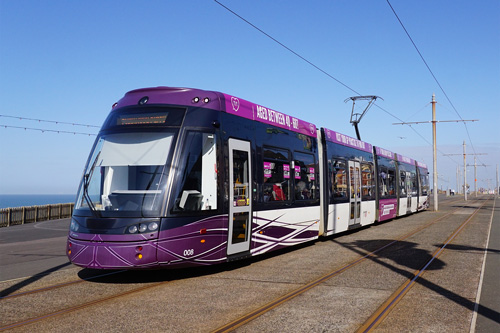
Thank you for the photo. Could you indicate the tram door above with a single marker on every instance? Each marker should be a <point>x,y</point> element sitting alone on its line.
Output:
<point>355,192</point>
<point>240,197</point>
<point>408,189</point>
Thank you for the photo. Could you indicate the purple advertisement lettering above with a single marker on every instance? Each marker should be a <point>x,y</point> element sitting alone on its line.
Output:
<point>265,115</point>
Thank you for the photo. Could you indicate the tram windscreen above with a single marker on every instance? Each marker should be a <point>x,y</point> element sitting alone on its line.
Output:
<point>126,174</point>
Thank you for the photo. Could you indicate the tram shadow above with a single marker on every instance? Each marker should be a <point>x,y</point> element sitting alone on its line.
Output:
<point>468,207</point>
<point>32,279</point>
<point>165,275</point>
<point>401,253</point>
<point>380,250</point>
<point>465,248</point>
<point>154,275</point>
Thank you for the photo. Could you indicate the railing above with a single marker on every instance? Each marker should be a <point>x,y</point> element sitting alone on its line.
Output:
<point>30,214</point>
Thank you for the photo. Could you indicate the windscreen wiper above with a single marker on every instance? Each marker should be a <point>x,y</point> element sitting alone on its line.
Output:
<point>86,182</point>
<point>87,197</point>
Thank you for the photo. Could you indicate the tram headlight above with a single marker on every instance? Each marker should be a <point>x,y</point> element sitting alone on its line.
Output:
<point>142,227</point>
<point>73,226</point>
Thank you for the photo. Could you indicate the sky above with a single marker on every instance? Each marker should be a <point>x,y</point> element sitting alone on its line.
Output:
<point>69,61</point>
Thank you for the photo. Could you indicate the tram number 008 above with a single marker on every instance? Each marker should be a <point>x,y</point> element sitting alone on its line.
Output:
<point>188,252</point>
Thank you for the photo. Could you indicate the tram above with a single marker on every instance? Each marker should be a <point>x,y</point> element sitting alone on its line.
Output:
<point>181,177</point>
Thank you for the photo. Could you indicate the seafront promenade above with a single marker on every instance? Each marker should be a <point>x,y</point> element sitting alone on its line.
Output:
<point>31,214</point>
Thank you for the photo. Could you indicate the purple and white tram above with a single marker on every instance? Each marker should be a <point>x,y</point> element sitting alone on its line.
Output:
<point>184,177</point>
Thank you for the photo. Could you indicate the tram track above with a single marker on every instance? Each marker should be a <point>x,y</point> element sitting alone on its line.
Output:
<point>56,286</point>
<point>231,326</point>
<point>379,315</point>
<point>76,307</point>
<point>245,319</point>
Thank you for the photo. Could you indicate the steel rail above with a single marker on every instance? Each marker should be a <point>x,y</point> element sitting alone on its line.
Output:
<point>79,307</point>
<point>283,299</point>
<point>59,285</point>
<point>379,315</point>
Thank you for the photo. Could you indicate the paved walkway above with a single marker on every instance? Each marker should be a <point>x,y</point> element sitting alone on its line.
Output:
<point>490,289</point>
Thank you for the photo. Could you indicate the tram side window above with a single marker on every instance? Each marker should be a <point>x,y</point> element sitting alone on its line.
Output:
<point>277,173</point>
<point>305,176</point>
<point>387,181</point>
<point>367,183</point>
<point>338,181</point>
<point>198,181</point>
<point>424,182</point>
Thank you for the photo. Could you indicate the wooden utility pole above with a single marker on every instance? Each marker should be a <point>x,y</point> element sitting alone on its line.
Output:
<point>497,189</point>
<point>475,172</point>
<point>434,146</point>
<point>465,175</point>
<point>434,154</point>
<point>465,170</point>
<point>475,177</point>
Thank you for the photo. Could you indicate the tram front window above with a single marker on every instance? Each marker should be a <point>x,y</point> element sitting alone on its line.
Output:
<point>126,174</point>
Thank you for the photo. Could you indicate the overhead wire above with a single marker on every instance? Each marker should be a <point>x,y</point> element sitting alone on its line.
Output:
<point>414,114</point>
<point>439,151</point>
<point>297,54</point>
<point>48,121</point>
<point>286,47</point>
<point>46,130</point>
<point>316,67</point>
<point>432,73</point>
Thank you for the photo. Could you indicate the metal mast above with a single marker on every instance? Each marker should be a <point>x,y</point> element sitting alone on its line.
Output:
<point>434,146</point>
<point>434,155</point>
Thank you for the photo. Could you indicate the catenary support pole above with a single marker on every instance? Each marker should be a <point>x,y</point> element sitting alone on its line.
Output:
<point>465,174</point>
<point>434,156</point>
<point>497,190</point>
<point>475,176</point>
<point>435,173</point>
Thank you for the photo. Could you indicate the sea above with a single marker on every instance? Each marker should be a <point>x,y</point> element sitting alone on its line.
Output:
<point>20,200</point>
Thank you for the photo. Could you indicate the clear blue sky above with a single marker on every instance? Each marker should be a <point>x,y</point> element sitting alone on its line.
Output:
<point>70,61</point>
